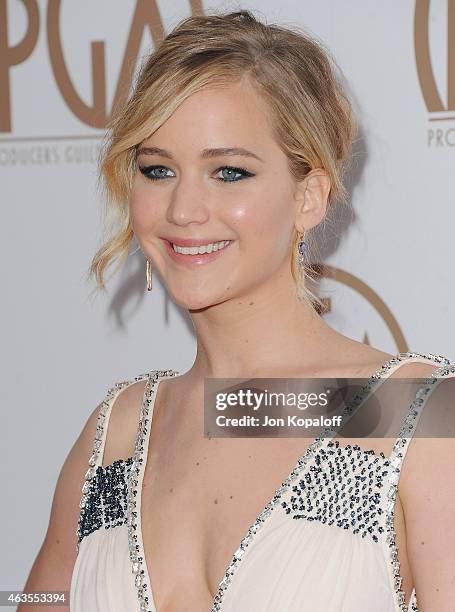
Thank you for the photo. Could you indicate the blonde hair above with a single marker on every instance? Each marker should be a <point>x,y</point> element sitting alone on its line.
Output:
<point>312,117</point>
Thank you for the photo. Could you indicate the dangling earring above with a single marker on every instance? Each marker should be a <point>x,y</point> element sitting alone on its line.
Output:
<point>149,275</point>
<point>302,248</point>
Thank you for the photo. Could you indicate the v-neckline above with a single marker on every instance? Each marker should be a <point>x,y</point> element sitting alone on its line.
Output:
<point>134,502</point>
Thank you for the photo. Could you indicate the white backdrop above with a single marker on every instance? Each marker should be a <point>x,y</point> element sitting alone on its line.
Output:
<point>63,349</point>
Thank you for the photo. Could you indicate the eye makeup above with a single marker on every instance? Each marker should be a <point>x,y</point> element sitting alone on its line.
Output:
<point>149,170</point>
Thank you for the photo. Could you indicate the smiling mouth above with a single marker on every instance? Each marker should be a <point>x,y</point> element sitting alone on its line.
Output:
<point>192,252</point>
<point>212,247</point>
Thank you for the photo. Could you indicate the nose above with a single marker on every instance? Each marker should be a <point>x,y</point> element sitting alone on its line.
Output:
<point>189,202</point>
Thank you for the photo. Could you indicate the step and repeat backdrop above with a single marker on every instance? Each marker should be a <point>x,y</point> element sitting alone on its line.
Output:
<point>389,265</point>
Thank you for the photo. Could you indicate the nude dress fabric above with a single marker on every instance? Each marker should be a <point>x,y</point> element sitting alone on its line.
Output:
<point>324,543</point>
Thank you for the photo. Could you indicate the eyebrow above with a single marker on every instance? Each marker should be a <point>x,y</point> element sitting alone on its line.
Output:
<point>205,154</point>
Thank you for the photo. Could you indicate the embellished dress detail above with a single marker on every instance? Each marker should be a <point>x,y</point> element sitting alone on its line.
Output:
<point>325,541</point>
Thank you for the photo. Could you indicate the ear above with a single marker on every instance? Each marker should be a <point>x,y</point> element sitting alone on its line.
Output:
<point>311,199</point>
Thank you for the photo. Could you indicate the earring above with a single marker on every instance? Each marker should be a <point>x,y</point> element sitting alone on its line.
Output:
<point>148,273</point>
<point>302,248</point>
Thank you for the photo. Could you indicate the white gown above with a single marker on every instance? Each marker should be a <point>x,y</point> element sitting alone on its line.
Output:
<point>325,542</point>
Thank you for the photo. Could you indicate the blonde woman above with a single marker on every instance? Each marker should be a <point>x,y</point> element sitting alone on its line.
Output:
<point>228,154</point>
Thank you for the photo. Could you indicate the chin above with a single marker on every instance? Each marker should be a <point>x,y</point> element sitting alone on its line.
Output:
<point>195,301</point>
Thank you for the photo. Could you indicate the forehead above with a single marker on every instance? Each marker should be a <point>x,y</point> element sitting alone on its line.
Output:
<point>223,115</point>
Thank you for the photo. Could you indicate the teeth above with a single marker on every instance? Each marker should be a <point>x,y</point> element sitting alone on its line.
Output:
<point>206,248</point>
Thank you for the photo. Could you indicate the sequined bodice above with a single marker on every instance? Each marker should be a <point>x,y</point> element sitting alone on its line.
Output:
<point>105,497</point>
<point>333,487</point>
<point>343,487</point>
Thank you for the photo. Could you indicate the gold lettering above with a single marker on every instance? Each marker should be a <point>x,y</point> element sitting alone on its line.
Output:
<point>96,114</point>
<point>423,59</point>
<point>425,72</point>
<point>11,56</point>
<point>145,15</point>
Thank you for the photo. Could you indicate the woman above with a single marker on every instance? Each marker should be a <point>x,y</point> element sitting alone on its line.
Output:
<point>229,151</point>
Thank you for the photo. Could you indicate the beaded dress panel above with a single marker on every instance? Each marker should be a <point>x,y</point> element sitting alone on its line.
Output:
<point>325,541</point>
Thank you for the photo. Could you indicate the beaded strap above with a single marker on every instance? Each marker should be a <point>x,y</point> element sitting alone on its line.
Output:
<point>134,493</point>
<point>96,457</point>
<point>397,456</point>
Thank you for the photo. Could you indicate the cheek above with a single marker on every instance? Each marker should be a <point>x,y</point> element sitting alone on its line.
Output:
<point>265,218</point>
<point>143,209</point>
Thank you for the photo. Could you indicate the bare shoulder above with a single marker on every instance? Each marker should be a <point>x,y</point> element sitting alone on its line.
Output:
<point>123,425</point>
<point>54,563</point>
<point>53,566</point>
<point>124,422</point>
<point>61,533</point>
<point>430,457</point>
<point>427,493</point>
<point>366,360</point>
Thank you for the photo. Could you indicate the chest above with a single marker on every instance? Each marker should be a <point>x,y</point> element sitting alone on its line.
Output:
<point>200,495</point>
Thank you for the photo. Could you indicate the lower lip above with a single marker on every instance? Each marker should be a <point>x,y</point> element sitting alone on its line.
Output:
<point>194,260</point>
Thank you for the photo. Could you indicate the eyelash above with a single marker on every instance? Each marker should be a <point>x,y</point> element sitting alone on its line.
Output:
<point>145,170</point>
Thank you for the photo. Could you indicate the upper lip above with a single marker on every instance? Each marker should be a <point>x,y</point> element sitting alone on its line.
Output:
<point>193,242</point>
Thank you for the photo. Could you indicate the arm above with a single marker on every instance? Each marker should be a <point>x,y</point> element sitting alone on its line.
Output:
<point>53,567</point>
<point>54,563</point>
<point>427,492</point>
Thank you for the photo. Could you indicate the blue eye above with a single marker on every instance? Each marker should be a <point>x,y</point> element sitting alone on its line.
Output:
<point>148,172</point>
<point>240,171</point>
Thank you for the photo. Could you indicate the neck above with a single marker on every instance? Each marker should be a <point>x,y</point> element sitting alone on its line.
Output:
<point>264,333</point>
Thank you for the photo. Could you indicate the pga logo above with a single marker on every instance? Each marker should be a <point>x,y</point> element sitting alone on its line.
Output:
<point>95,114</point>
